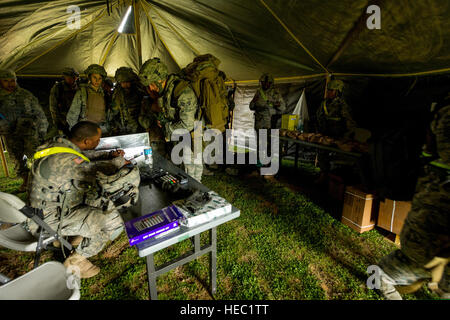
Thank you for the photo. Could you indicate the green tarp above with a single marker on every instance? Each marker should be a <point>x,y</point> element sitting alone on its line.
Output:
<point>290,39</point>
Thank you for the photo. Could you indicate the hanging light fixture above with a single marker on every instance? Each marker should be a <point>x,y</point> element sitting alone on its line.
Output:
<point>127,23</point>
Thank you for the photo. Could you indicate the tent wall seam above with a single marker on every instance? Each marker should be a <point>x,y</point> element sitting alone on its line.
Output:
<point>160,38</point>
<point>195,51</point>
<point>291,34</point>
<point>352,33</point>
<point>108,49</point>
<point>64,40</point>
<point>137,27</point>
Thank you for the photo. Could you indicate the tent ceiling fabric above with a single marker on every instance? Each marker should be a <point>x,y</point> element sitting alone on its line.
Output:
<point>290,39</point>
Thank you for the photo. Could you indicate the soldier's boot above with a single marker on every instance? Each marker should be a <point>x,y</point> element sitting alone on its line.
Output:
<point>81,266</point>
<point>74,241</point>
<point>388,290</point>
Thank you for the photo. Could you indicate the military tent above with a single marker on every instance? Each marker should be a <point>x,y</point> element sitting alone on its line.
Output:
<point>393,55</point>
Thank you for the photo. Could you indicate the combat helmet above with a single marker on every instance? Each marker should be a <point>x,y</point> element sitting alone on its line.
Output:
<point>152,71</point>
<point>336,85</point>
<point>95,68</point>
<point>267,77</point>
<point>71,72</point>
<point>7,74</point>
<point>124,74</point>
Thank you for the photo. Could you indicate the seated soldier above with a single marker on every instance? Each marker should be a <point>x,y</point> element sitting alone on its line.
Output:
<point>63,177</point>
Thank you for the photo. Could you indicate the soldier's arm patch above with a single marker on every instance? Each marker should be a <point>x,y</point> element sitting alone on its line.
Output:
<point>78,160</point>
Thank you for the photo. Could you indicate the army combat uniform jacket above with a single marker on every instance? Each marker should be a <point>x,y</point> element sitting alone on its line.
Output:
<point>60,100</point>
<point>81,110</point>
<point>61,183</point>
<point>23,123</point>
<point>125,110</point>
<point>266,104</point>
<point>334,118</point>
<point>426,231</point>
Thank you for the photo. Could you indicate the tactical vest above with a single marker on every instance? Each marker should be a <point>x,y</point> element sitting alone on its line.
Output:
<point>48,196</point>
<point>84,98</point>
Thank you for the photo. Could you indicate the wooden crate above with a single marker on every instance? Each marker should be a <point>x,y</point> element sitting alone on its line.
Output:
<point>392,215</point>
<point>359,210</point>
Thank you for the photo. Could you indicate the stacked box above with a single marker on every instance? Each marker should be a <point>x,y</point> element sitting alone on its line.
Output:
<point>392,215</point>
<point>289,121</point>
<point>359,210</point>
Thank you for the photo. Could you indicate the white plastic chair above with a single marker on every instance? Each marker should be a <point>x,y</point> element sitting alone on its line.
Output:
<point>13,210</point>
<point>49,281</point>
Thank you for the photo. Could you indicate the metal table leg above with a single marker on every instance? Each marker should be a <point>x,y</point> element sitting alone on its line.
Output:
<point>151,272</point>
<point>213,261</point>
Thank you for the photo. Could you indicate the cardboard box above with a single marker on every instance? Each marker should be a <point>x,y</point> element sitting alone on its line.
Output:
<point>359,210</point>
<point>392,215</point>
<point>289,121</point>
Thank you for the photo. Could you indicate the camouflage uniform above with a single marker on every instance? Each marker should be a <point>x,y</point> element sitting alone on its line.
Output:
<point>80,108</point>
<point>426,232</point>
<point>179,112</point>
<point>266,104</point>
<point>126,104</point>
<point>334,116</point>
<point>24,125</point>
<point>60,100</point>
<point>66,174</point>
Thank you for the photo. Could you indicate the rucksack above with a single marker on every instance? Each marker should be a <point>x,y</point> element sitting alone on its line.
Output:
<point>208,83</point>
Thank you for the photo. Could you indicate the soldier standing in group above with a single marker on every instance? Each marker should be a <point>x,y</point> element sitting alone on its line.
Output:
<point>334,120</point>
<point>266,103</point>
<point>90,101</point>
<point>62,179</point>
<point>334,114</point>
<point>179,109</point>
<point>61,97</point>
<point>22,122</point>
<point>425,236</point>
<point>126,103</point>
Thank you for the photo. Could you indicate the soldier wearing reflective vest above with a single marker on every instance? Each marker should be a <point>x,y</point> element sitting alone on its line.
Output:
<point>63,177</point>
<point>334,115</point>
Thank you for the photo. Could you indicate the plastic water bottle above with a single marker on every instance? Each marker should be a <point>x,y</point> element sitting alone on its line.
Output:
<point>148,153</point>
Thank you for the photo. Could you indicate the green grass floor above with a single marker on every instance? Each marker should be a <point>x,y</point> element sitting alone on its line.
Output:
<point>283,246</point>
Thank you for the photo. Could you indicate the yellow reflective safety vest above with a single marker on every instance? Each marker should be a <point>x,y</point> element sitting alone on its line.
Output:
<point>55,150</point>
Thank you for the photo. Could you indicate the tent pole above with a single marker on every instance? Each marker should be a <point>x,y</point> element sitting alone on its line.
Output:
<point>137,27</point>
<point>4,163</point>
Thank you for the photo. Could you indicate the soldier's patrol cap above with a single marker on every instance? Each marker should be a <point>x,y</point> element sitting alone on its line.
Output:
<point>152,71</point>
<point>336,85</point>
<point>7,74</point>
<point>95,68</point>
<point>71,72</point>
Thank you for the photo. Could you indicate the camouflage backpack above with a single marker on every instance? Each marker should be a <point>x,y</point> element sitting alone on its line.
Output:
<point>208,83</point>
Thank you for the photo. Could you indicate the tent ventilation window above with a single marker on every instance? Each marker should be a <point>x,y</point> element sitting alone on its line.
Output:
<point>127,23</point>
